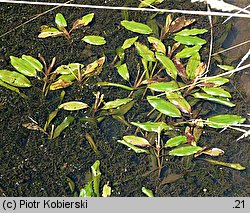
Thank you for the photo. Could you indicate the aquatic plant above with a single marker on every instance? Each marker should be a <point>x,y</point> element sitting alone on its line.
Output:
<point>61,30</point>
<point>92,188</point>
<point>176,92</point>
<point>53,79</point>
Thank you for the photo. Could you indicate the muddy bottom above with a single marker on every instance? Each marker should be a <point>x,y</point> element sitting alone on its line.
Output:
<point>33,165</point>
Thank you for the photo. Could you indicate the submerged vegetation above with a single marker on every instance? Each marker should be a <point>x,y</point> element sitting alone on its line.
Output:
<point>169,75</point>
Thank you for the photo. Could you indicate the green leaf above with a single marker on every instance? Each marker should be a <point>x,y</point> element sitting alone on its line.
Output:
<point>52,115</point>
<point>226,67</point>
<point>190,40</point>
<point>73,105</point>
<point>179,101</point>
<point>192,65</point>
<point>95,40</point>
<point>60,21</point>
<point>176,141</point>
<point>157,44</point>
<point>14,78</point>
<point>163,86</point>
<point>163,106</point>
<point>116,103</point>
<point>188,51</point>
<point>217,91</point>
<point>144,52</point>
<point>96,176</point>
<point>33,62</point>
<point>123,71</point>
<point>185,150</point>
<point>136,141</point>
<point>221,121</point>
<point>147,192</point>
<point>12,88</point>
<point>50,32</point>
<point>134,148</point>
<point>146,3</point>
<point>217,81</point>
<point>106,190</point>
<point>103,84</point>
<point>136,27</point>
<point>236,166</point>
<point>152,126</point>
<point>84,21</point>
<point>69,69</point>
<point>168,64</point>
<point>66,122</point>
<point>23,66</point>
<point>71,184</point>
<point>219,100</point>
<point>194,31</point>
<point>123,109</point>
<point>129,42</point>
<point>87,191</point>
<point>62,82</point>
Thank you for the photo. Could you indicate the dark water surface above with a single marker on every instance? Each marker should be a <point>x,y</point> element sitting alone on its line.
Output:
<point>32,165</point>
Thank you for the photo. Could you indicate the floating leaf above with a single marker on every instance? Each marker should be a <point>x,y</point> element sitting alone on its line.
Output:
<point>123,71</point>
<point>73,105</point>
<point>136,141</point>
<point>134,148</point>
<point>106,191</point>
<point>84,21</point>
<point>185,150</point>
<point>163,106</point>
<point>180,23</point>
<point>66,122</point>
<point>103,84</point>
<point>71,184</point>
<point>152,126</point>
<point>236,166</point>
<point>95,67</point>
<point>179,101</point>
<point>123,109</point>
<point>157,44</point>
<point>221,121</point>
<point>147,192</point>
<point>116,103</point>
<point>163,86</point>
<point>216,81</point>
<point>226,67</point>
<point>129,42</point>
<point>194,31</point>
<point>147,3</point>
<point>213,152</point>
<point>60,21</point>
<point>33,62</point>
<point>176,141</point>
<point>190,40</point>
<point>50,32</point>
<point>218,100</point>
<point>144,52</point>
<point>23,66</point>
<point>14,78</point>
<point>217,91</point>
<point>188,51</point>
<point>168,64</point>
<point>62,82</point>
<point>136,27</point>
<point>69,69</point>
<point>192,65</point>
<point>95,40</point>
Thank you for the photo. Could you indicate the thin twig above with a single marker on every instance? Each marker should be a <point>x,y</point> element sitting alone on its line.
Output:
<point>192,12</point>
